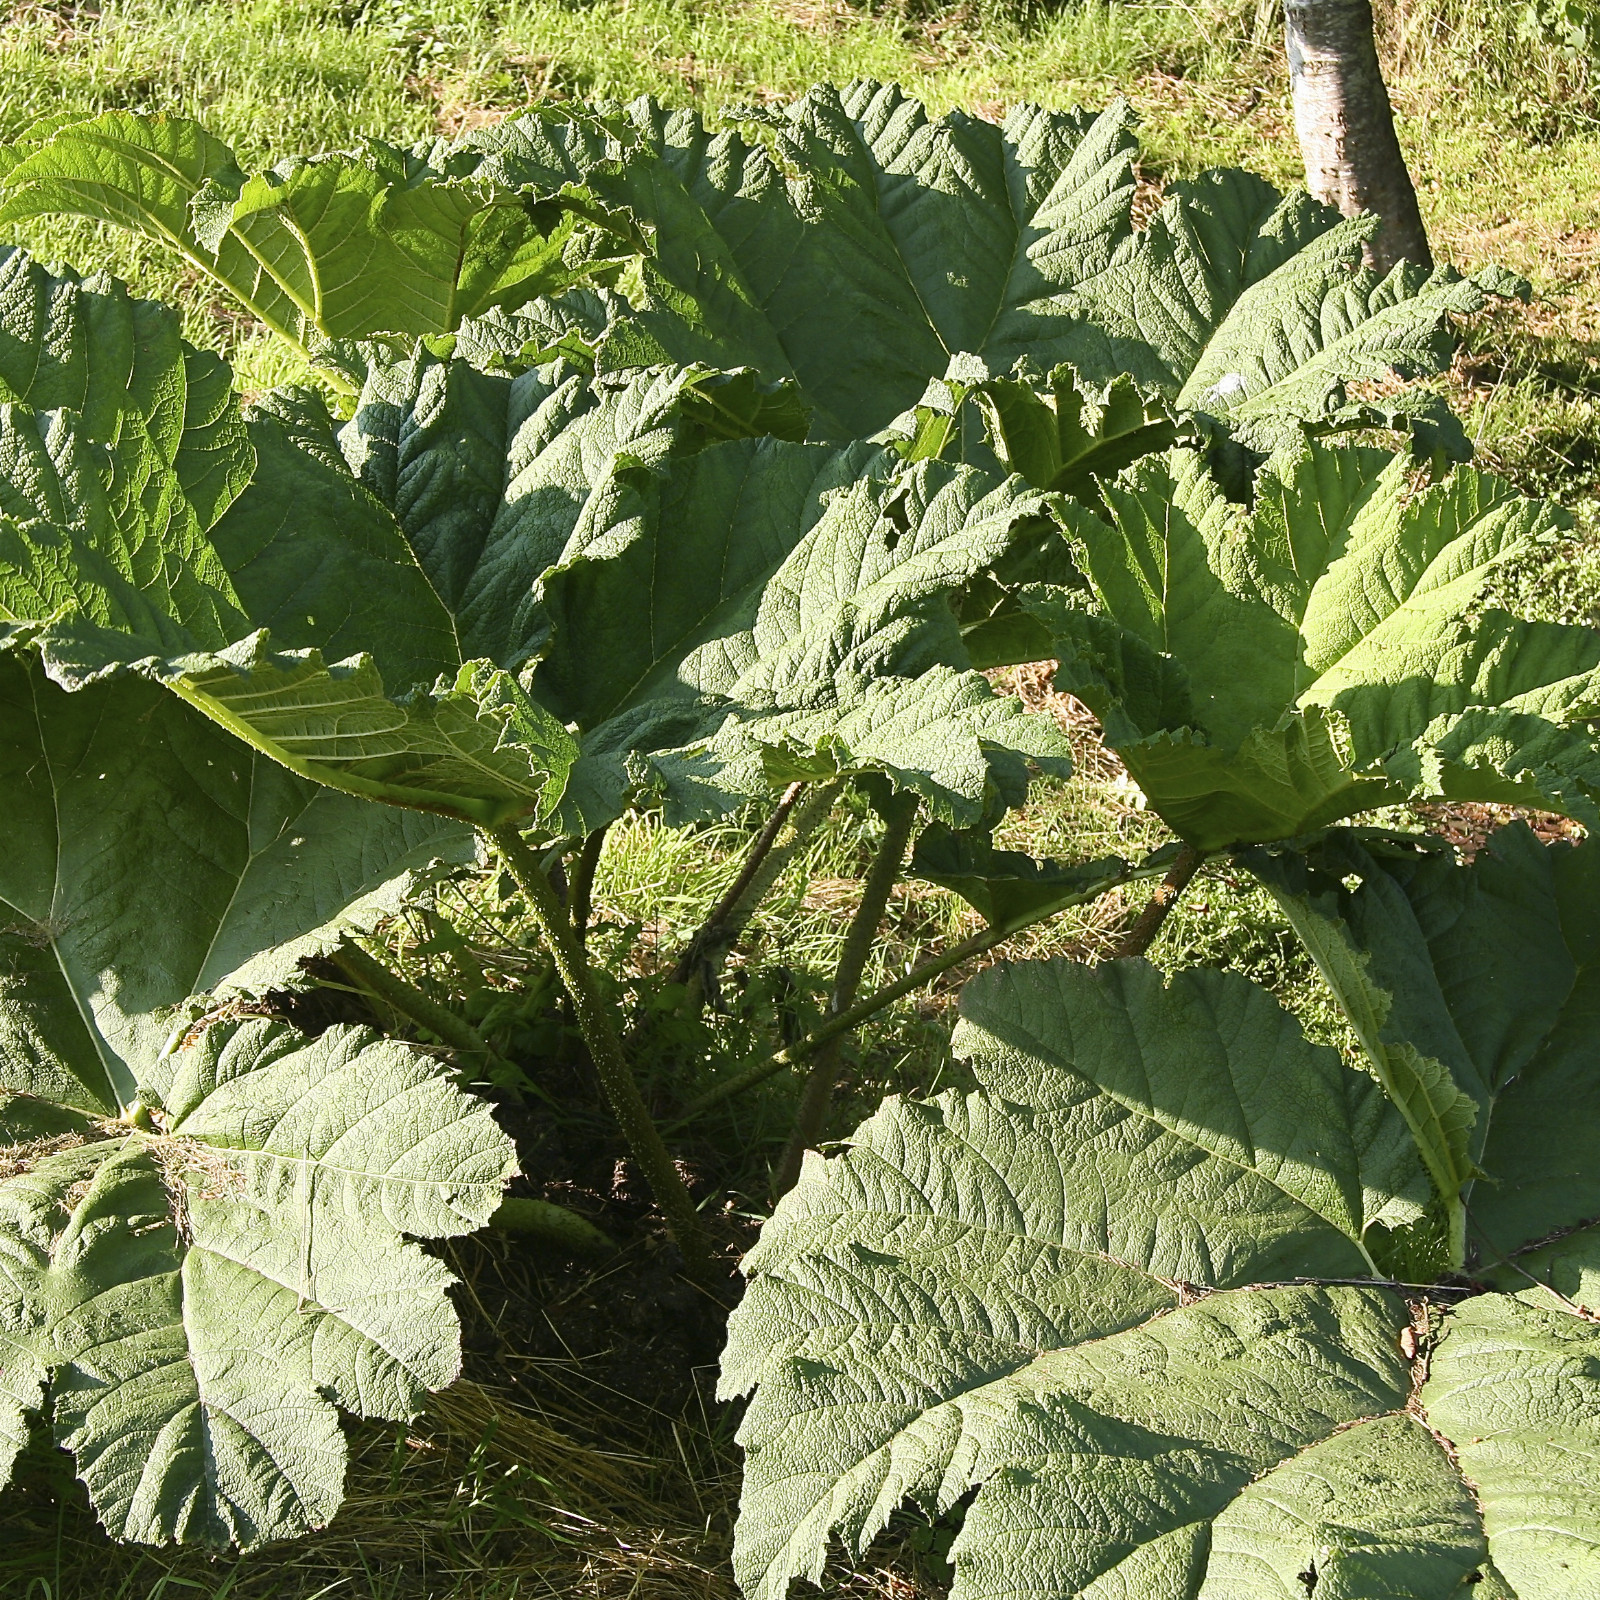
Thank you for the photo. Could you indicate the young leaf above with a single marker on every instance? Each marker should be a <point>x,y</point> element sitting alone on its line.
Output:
<point>1419,943</point>
<point>1264,673</point>
<point>207,1292</point>
<point>336,247</point>
<point>1074,433</point>
<point>149,857</point>
<point>1003,886</point>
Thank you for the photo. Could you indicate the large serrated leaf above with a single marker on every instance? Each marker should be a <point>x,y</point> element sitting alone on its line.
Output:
<point>214,869</point>
<point>980,1289</point>
<point>944,734</point>
<point>335,247</point>
<point>207,1292</point>
<point>1381,1508</point>
<point>87,347</point>
<point>1415,946</point>
<point>637,613</point>
<point>1517,1389</point>
<point>395,561</point>
<point>1041,1291</point>
<point>899,240</point>
<point>24,1256</point>
<point>873,241</point>
<point>841,655</point>
<point>1266,672</point>
<point>76,537</point>
<point>413,607</point>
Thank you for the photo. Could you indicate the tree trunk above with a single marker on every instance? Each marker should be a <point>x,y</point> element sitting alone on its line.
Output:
<point>1346,125</point>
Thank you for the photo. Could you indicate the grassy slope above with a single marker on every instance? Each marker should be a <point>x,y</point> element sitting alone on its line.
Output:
<point>1507,153</point>
<point>1504,139</point>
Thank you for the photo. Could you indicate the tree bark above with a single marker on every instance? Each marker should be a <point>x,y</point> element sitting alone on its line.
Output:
<point>1346,126</point>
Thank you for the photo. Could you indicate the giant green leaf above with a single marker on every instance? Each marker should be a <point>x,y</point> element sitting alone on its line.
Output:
<point>897,241</point>
<point>120,447</point>
<point>1517,1388</point>
<point>868,589</point>
<point>965,1254</point>
<point>1482,983</point>
<point>76,538</point>
<point>805,609</point>
<point>1265,672</point>
<point>111,592</point>
<point>419,530</point>
<point>332,247</point>
<point>520,594</point>
<point>150,857</point>
<point>355,612</point>
<point>871,241</point>
<point>207,1289</point>
<point>1059,1299</point>
<point>857,249</point>
<point>633,607</point>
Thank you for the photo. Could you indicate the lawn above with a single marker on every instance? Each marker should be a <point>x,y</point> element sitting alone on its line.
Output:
<point>584,1454</point>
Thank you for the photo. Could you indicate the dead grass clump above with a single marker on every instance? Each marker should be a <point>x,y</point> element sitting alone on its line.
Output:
<point>1031,684</point>
<point>1468,827</point>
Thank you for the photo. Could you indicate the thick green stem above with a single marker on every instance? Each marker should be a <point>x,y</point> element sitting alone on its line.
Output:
<point>816,1097</point>
<point>605,1047</point>
<point>553,1225</point>
<point>797,815</point>
<point>979,944</point>
<point>411,1002</point>
<point>1147,925</point>
<point>580,892</point>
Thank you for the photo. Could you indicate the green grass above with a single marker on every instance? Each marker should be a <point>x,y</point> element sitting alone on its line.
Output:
<point>1503,133</point>
<point>555,1486</point>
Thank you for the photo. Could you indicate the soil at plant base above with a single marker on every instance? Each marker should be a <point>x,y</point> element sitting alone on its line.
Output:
<point>631,1326</point>
<point>619,1354</point>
